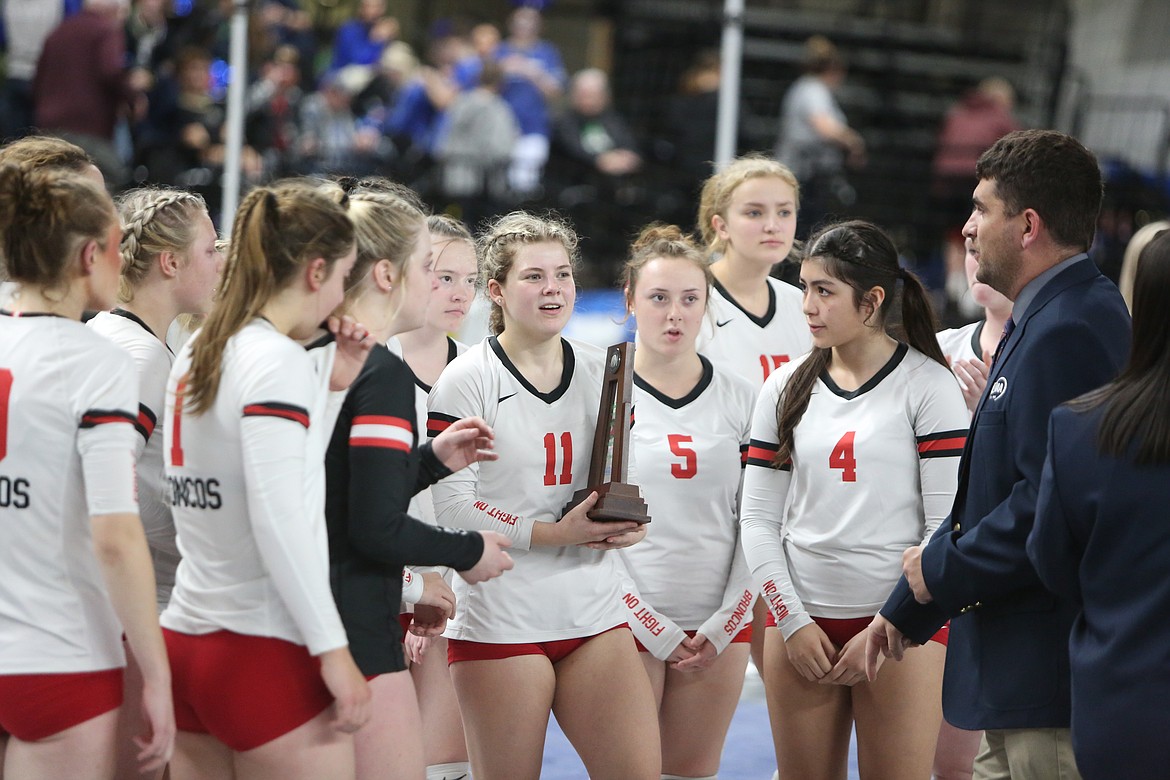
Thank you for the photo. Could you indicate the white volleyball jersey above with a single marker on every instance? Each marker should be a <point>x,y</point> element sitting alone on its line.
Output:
<point>689,571</point>
<point>754,347</point>
<point>422,503</point>
<point>961,343</point>
<point>873,472</point>
<point>545,442</point>
<point>68,404</point>
<point>152,360</point>
<point>247,492</point>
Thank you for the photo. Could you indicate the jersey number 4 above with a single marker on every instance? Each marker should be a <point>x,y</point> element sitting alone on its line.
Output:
<point>5,391</point>
<point>842,458</point>
<point>772,362</point>
<point>550,459</point>
<point>690,465</point>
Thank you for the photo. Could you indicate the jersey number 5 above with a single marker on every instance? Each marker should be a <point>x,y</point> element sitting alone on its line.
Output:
<point>690,465</point>
<point>550,459</point>
<point>5,391</point>
<point>842,458</point>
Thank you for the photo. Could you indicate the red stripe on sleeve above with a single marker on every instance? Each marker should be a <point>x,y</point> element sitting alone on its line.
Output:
<point>382,419</point>
<point>265,410</point>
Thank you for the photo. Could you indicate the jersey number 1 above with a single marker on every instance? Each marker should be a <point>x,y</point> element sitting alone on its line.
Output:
<point>772,362</point>
<point>842,458</point>
<point>550,459</point>
<point>176,427</point>
<point>5,391</point>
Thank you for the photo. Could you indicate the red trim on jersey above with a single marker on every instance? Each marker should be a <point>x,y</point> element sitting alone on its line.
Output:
<point>383,442</point>
<point>146,421</point>
<point>943,444</point>
<point>95,417</point>
<point>438,422</point>
<point>276,409</point>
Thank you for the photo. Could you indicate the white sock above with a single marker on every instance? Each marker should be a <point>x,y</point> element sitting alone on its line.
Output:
<point>456,770</point>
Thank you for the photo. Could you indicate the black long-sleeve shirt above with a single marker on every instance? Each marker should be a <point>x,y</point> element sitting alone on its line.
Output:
<point>372,468</point>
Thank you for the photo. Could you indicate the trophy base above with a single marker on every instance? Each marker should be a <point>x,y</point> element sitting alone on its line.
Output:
<point>616,502</point>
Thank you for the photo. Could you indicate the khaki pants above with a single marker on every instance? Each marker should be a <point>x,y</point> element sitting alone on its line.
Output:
<point>1026,754</point>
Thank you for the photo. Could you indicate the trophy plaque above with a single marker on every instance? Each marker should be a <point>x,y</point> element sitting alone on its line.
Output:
<point>616,499</point>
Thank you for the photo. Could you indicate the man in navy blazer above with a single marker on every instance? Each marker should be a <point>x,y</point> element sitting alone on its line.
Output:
<point>1007,668</point>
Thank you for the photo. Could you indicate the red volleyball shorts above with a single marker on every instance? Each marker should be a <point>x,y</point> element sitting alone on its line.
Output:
<point>36,706</point>
<point>556,650</point>
<point>243,690</point>
<point>743,637</point>
<point>842,630</point>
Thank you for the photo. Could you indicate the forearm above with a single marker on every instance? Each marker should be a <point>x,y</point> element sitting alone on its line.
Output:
<point>122,554</point>
<point>736,610</point>
<point>458,506</point>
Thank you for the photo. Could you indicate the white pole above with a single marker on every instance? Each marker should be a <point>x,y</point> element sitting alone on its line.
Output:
<point>731,56</point>
<point>235,114</point>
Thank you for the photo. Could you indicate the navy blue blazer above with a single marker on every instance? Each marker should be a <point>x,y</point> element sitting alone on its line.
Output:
<point>1007,655</point>
<point>1102,541</point>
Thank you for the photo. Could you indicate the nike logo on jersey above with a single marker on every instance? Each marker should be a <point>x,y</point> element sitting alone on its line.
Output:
<point>505,398</point>
<point>721,324</point>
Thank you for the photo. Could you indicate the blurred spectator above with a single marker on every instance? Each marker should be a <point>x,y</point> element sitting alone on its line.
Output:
<point>394,70</point>
<point>182,139</point>
<point>273,107</point>
<point>533,76</point>
<point>415,118</point>
<point>594,159</point>
<point>82,85</point>
<point>25,25</point>
<point>815,140</point>
<point>360,41</point>
<point>475,146</point>
<point>334,140</point>
<point>690,123</point>
<point>484,40</point>
<point>146,34</point>
<point>591,133</point>
<point>288,24</point>
<point>979,119</point>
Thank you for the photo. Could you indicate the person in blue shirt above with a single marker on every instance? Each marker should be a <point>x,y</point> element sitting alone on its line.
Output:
<point>360,41</point>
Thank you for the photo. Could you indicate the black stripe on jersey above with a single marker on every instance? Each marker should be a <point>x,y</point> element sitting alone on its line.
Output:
<point>437,422</point>
<point>145,422</point>
<point>284,411</point>
<point>452,353</point>
<point>566,372</point>
<point>120,312</point>
<point>678,403</point>
<point>95,417</point>
<point>874,381</point>
<point>763,453</point>
<point>761,322</point>
<point>944,444</point>
<point>976,335</point>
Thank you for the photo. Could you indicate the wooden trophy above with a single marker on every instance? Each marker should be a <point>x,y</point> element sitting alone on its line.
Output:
<point>616,500</point>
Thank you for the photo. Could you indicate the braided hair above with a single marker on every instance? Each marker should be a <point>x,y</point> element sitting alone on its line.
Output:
<point>154,220</point>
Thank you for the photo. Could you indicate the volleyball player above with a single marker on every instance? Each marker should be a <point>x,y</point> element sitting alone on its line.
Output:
<point>551,634</point>
<point>428,350</point>
<point>373,467</point>
<point>39,152</point>
<point>264,682</point>
<point>691,608</point>
<point>747,219</point>
<point>170,266</point>
<point>852,460</point>
<point>76,566</point>
<point>969,349</point>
